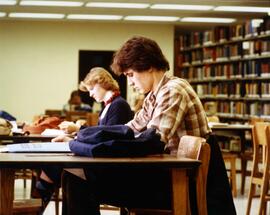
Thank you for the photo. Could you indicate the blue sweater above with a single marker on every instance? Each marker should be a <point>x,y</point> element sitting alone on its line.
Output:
<point>119,113</point>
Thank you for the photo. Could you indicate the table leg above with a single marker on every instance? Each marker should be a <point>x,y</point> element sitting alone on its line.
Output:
<point>6,191</point>
<point>180,198</point>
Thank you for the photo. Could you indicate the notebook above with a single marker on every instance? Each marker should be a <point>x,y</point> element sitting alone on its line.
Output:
<point>37,147</point>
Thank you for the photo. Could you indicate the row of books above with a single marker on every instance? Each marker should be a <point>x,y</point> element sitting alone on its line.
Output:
<point>234,90</point>
<point>252,68</point>
<point>240,108</point>
<point>231,108</point>
<point>265,89</point>
<point>244,49</point>
<point>224,33</point>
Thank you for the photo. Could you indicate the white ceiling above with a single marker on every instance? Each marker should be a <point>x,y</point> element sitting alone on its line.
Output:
<point>240,16</point>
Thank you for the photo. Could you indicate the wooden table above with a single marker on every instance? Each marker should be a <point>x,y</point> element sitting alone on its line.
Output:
<point>235,130</point>
<point>232,130</point>
<point>11,161</point>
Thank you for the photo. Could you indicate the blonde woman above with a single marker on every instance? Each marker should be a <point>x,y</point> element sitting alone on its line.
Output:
<point>103,88</point>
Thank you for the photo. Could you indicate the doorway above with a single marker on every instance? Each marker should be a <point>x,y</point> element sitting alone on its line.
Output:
<point>89,59</point>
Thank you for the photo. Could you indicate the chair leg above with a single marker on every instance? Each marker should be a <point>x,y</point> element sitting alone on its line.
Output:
<point>243,174</point>
<point>233,177</point>
<point>264,190</point>
<point>56,200</point>
<point>24,179</point>
<point>250,196</point>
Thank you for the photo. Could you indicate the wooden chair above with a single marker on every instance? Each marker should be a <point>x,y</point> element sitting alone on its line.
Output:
<point>23,174</point>
<point>261,163</point>
<point>28,206</point>
<point>247,156</point>
<point>53,112</point>
<point>92,119</point>
<point>75,115</point>
<point>195,148</point>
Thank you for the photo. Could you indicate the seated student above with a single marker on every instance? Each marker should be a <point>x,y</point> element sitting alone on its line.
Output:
<point>75,103</point>
<point>103,88</point>
<point>172,108</point>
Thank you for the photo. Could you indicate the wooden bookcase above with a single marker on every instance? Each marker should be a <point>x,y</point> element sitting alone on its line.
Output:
<point>228,67</point>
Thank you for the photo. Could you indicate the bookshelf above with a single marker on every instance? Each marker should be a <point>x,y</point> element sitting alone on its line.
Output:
<point>229,67</point>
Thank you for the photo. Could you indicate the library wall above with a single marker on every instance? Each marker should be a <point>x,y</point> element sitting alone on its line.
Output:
<point>229,67</point>
<point>39,59</point>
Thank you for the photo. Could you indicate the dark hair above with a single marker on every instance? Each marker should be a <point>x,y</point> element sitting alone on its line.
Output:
<point>139,54</point>
<point>73,95</point>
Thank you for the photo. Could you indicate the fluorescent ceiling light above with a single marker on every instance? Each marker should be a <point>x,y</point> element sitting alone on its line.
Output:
<point>2,14</point>
<point>117,5</point>
<point>152,18</point>
<point>94,17</point>
<point>8,2</point>
<point>52,3</point>
<point>243,9</point>
<point>37,15</point>
<point>207,19</point>
<point>181,7</point>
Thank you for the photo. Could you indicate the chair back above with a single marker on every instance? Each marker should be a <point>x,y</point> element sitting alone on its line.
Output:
<point>261,166</point>
<point>91,119</point>
<point>53,112</point>
<point>75,115</point>
<point>261,144</point>
<point>260,141</point>
<point>197,148</point>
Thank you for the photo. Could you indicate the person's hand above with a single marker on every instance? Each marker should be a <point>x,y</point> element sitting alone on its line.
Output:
<point>69,127</point>
<point>62,138</point>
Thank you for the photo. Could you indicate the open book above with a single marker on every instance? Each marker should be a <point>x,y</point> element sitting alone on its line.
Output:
<point>37,147</point>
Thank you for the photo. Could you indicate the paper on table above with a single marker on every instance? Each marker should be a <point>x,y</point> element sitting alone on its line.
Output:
<point>3,149</point>
<point>52,132</point>
<point>37,147</point>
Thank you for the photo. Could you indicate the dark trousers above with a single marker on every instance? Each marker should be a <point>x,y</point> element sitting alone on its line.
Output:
<point>116,186</point>
<point>54,173</point>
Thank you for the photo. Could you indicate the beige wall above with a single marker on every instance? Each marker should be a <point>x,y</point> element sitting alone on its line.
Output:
<point>39,60</point>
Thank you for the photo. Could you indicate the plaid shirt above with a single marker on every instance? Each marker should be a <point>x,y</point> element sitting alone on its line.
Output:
<point>174,109</point>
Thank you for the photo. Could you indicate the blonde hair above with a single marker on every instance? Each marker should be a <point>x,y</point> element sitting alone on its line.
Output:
<point>101,76</point>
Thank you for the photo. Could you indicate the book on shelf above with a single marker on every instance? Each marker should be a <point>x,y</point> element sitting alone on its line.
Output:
<point>37,147</point>
<point>208,38</point>
<point>217,124</point>
<point>253,109</point>
<point>266,109</point>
